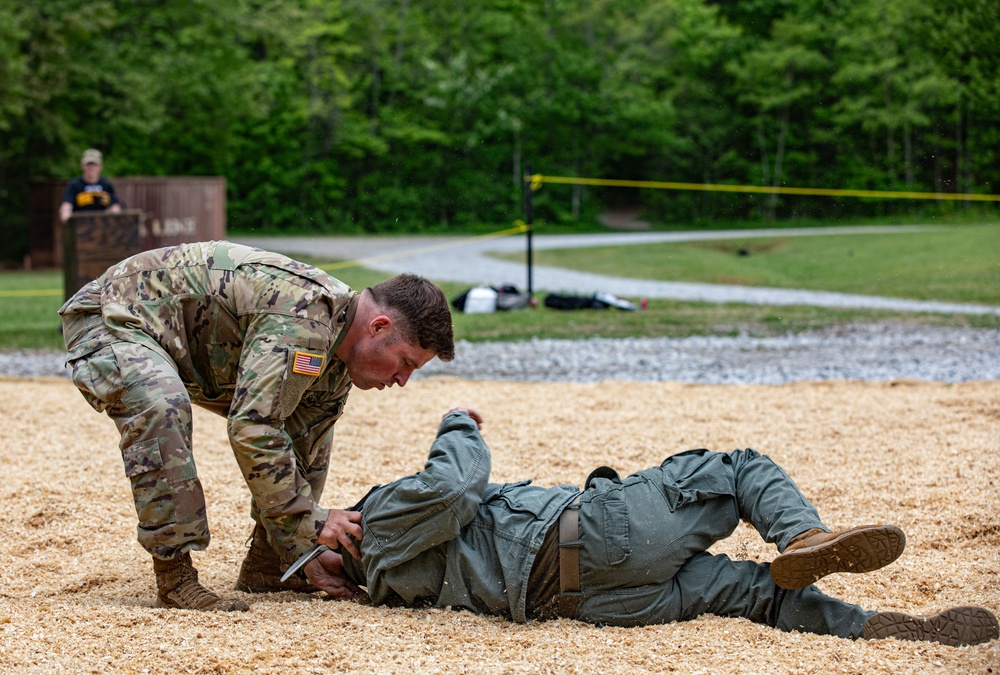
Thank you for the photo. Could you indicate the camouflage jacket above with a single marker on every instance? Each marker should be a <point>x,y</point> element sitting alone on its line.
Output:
<point>252,334</point>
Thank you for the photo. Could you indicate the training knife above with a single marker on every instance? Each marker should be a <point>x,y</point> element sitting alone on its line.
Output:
<point>304,560</point>
<point>319,548</point>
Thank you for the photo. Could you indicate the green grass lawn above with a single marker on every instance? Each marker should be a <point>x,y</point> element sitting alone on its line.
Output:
<point>28,305</point>
<point>958,264</point>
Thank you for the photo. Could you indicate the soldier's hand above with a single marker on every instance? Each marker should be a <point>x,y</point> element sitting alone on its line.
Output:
<point>326,572</point>
<point>339,528</point>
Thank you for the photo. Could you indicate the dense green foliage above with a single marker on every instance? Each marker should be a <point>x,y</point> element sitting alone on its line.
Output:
<point>382,115</point>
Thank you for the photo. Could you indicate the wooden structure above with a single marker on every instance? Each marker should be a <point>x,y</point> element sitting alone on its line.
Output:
<point>172,210</point>
<point>93,241</point>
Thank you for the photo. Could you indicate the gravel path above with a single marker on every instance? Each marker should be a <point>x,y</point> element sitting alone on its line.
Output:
<point>467,260</point>
<point>875,352</point>
<point>861,352</point>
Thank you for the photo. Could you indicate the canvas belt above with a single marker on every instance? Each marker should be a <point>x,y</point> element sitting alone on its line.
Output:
<point>569,560</point>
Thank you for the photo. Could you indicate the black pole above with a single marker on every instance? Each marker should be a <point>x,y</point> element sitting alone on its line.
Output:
<point>529,217</point>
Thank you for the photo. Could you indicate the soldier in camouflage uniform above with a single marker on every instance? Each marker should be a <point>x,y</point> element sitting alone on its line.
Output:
<point>272,344</point>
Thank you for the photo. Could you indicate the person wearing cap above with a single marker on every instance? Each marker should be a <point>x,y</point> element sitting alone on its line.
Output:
<point>622,552</point>
<point>89,192</point>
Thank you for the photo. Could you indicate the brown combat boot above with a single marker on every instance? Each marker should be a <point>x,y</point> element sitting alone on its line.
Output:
<point>262,569</point>
<point>814,554</point>
<point>177,587</point>
<point>955,627</point>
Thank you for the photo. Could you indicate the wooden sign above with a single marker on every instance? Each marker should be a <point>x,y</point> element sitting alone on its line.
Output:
<point>94,241</point>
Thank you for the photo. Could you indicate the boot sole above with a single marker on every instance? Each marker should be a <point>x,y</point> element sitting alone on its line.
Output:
<point>279,588</point>
<point>855,551</point>
<point>955,627</point>
<point>223,605</point>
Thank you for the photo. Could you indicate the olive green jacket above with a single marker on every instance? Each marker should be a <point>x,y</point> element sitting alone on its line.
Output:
<point>448,537</point>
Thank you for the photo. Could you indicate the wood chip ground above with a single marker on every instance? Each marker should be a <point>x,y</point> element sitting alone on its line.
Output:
<point>76,590</point>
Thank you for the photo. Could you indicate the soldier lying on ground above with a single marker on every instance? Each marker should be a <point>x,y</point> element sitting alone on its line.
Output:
<point>272,344</point>
<point>621,552</point>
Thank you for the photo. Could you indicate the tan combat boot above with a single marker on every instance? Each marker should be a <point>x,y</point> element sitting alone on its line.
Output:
<point>262,569</point>
<point>955,627</point>
<point>177,587</point>
<point>814,553</point>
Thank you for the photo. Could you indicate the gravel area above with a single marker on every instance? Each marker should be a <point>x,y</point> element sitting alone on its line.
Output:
<point>870,352</point>
<point>471,260</point>
<point>878,352</point>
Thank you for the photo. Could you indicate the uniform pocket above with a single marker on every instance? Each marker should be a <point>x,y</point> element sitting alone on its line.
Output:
<point>614,521</point>
<point>165,487</point>
<point>697,476</point>
<point>98,378</point>
<point>142,458</point>
<point>515,501</point>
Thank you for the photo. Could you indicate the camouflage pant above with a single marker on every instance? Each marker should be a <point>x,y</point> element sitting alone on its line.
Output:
<point>142,392</point>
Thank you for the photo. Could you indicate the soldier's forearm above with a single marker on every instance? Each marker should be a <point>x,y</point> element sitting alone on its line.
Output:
<point>294,527</point>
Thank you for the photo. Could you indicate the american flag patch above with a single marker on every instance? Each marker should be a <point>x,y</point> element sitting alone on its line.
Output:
<point>307,364</point>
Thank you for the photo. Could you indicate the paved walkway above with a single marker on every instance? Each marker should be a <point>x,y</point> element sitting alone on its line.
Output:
<point>466,260</point>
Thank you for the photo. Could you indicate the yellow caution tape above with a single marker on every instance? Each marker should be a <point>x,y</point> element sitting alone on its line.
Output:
<point>537,180</point>
<point>30,293</point>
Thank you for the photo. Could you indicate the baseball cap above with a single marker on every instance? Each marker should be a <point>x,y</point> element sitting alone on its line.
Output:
<point>91,156</point>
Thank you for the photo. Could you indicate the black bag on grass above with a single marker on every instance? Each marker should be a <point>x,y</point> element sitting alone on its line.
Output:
<point>563,301</point>
<point>595,301</point>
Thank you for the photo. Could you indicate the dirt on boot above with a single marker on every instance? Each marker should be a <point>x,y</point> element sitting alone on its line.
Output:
<point>262,569</point>
<point>177,587</point>
<point>955,627</point>
<point>860,549</point>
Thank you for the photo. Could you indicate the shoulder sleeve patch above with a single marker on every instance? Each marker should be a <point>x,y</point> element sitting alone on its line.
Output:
<point>308,364</point>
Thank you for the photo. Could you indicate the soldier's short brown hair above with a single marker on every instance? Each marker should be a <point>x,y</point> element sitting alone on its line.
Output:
<point>420,310</point>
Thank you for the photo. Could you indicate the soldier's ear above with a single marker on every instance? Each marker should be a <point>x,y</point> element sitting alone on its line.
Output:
<point>379,324</point>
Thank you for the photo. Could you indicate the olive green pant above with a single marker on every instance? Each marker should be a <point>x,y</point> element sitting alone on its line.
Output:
<point>643,558</point>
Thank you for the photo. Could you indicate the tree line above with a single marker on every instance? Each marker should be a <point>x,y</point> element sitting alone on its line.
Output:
<point>386,115</point>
